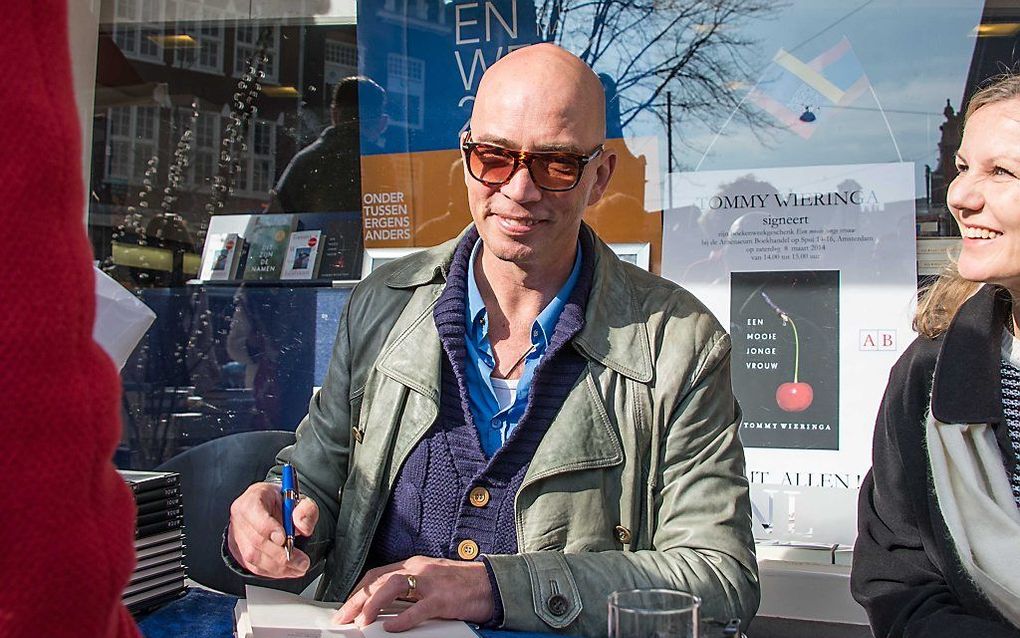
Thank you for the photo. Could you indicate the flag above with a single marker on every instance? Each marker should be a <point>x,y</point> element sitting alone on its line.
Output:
<point>791,86</point>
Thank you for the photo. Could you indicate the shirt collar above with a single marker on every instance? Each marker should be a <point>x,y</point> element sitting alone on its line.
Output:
<point>545,323</point>
<point>477,318</point>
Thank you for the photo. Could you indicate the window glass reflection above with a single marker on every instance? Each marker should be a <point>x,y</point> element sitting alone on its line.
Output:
<point>212,113</point>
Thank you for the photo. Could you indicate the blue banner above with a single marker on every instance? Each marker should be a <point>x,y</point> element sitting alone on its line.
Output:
<point>428,57</point>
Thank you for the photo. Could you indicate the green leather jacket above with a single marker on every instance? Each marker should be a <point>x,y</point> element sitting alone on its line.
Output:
<point>639,481</point>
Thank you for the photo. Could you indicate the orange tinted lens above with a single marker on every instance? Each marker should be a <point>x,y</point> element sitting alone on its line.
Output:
<point>490,164</point>
<point>555,171</point>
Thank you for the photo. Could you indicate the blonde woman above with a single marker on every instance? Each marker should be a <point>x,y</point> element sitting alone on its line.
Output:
<point>938,550</point>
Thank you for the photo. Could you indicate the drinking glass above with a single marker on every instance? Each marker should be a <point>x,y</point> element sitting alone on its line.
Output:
<point>653,613</point>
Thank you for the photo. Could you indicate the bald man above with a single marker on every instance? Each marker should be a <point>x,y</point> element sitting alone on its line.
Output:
<point>516,423</point>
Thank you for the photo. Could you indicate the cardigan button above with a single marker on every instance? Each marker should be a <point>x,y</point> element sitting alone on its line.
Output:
<point>622,534</point>
<point>467,549</point>
<point>557,604</point>
<point>358,434</point>
<point>479,497</point>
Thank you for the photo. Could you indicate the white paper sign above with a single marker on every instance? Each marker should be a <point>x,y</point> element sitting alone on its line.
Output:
<point>812,270</point>
<point>121,319</point>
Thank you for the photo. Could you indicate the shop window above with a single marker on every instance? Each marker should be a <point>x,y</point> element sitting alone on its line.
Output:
<point>204,26</point>
<point>405,84</point>
<point>205,148</point>
<point>258,165</point>
<point>138,28</point>
<point>133,132</point>
<point>421,9</point>
<point>248,42</point>
<point>674,109</point>
<point>340,61</point>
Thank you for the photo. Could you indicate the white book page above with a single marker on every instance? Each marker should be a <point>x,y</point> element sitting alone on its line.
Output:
<point>278,614</point>
<point>428,629</point>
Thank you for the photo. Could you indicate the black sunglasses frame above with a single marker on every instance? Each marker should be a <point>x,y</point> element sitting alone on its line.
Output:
<point>526,158</point>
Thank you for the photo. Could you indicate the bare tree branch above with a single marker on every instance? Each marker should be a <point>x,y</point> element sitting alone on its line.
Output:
<point>697,51</point>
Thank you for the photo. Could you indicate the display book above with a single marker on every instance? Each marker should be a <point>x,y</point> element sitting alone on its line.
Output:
<point>221,256</point>
<point>303,255</point>
<point>804,552</point>
<point>289,247</point>
<point>159,540</point>
<point>268,613</point>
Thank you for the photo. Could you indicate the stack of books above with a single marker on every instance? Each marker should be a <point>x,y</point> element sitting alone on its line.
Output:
<point>159,540</point>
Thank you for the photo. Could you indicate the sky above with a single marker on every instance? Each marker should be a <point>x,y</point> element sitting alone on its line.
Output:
<point>915,54</point>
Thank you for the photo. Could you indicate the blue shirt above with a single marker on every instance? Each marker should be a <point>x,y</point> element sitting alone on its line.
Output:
<point>495,424</point>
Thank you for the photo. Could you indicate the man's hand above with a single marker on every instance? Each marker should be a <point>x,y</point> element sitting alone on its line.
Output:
<point>442,589</point>
<point>255,536</point>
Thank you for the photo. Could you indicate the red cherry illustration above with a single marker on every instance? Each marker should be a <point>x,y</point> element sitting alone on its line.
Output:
<point>794,397</point>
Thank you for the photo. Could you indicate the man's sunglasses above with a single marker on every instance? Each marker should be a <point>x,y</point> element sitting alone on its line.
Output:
<point>551,171</point>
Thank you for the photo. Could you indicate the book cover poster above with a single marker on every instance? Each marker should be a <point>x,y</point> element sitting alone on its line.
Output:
<point>429,59</point>
<point>831,248</point>
<point>341,245</point>
<point>784,327</point>
<point>267,238</point>
<point>303,254</point>
<point>227,257</point>
<point>220,256</point>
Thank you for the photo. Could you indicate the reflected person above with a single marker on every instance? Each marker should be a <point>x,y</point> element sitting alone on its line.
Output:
<point>325,176</point>
<point>516,423</point>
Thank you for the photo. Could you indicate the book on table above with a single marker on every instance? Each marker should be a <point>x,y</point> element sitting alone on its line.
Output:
<point>151,529</point>
<point>304,252</point>
<point>173,536</point>
<point>267,237</point>
<point>221,256</point>
<point>268,613</point>
<point>156,505</point>
<point>340,244</point>
<point>166,493</point>
<point>169,570</point>
<point>794,551</point>
<point>151,598</point>
<point>159,515</point>
<point>144,481</point>
<point>173,555</point>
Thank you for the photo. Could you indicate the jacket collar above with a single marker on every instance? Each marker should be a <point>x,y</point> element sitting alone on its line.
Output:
<point>967,384</point>
<point>614,335</point>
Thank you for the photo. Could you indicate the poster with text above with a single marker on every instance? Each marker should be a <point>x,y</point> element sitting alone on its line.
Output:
<point>428,59</point>
<point>784,327</point>
<point>812,270</point>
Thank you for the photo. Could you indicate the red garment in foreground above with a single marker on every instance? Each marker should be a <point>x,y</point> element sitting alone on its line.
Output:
<point>66,518</point>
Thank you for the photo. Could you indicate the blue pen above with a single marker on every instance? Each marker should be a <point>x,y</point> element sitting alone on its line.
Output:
<point>289,488</point>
